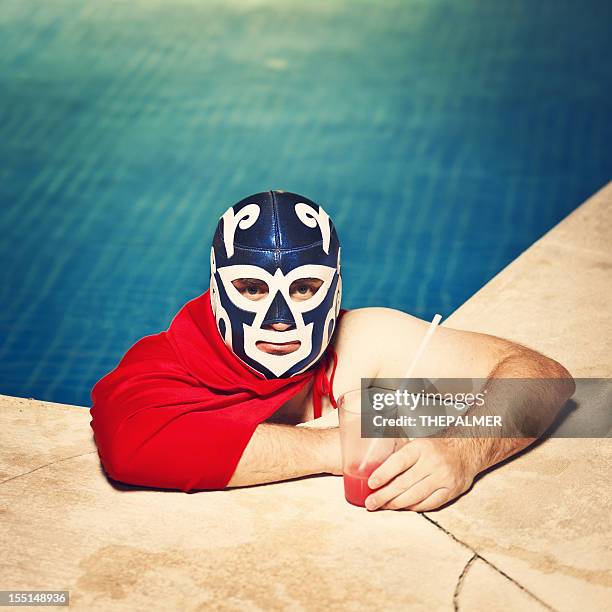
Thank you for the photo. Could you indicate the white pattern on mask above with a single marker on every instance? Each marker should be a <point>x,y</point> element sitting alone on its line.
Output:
<point>244,219</point>
<point>310,217</point>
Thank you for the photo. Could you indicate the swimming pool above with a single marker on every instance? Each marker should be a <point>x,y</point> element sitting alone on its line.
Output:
<point>442,138</point>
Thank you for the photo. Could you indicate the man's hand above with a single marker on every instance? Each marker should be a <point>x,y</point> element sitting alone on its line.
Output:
<point>423,474</point>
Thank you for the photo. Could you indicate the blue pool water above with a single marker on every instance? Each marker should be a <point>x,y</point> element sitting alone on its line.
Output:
<point>443,138</point>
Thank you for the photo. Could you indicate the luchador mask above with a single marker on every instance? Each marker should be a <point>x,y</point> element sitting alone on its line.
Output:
<point>277,238</point>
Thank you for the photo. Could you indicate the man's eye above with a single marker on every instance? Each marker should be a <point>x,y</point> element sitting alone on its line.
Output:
<point>304,290</point>
<point>251,289</point>
<point>254,289</point>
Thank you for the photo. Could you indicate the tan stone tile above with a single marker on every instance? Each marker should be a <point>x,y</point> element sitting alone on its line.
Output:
<point>34,433</point>
<point>483,589</point>
<point>293,545</point>
<point>544,520</point>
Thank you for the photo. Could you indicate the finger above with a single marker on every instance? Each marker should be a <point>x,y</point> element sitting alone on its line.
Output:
<point>435,500</point>
<point>415,494</point>
<point>393,465</point>
<point>396,487</point>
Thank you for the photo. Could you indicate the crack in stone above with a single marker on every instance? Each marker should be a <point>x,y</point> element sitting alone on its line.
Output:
<point>459,584</point>
<point>40,467</point>
<point>475,556</point>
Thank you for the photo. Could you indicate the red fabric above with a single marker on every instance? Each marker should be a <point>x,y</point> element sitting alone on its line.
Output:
<point>179,409</point>
<point>322,386</point>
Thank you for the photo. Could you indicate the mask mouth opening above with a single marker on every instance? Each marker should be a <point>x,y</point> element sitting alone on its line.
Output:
<point>278,348</point>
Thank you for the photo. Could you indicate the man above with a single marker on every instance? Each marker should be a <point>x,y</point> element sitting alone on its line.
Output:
<point>214,401</point>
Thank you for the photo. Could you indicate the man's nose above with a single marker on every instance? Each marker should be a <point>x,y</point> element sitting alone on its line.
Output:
<point>279,312</point>
<point>279,326</point>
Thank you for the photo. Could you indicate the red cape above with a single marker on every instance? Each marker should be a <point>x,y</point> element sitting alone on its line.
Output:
<point>179,409</point>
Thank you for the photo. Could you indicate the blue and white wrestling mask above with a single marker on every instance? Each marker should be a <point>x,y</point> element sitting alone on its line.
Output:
<point>266,246</point>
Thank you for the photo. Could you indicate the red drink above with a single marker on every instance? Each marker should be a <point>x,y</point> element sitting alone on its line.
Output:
<point>356,483</point>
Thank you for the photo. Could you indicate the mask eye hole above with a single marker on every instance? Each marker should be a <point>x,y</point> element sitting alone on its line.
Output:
<point>304,288</point>
<point>251,288</point>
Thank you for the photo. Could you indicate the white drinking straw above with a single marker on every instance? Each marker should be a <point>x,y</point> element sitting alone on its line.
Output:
<point>424,342</point>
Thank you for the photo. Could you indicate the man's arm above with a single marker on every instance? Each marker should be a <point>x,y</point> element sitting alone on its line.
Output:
<point>280,452</point>
<point>527,405</point>
<point>425,473</point>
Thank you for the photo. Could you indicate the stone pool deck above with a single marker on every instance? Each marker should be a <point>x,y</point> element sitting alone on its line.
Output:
<point>533,534</point>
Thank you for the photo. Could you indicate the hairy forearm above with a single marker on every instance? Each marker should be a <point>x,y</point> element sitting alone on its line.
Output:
<point>527,406</point>
<point>280,452</point>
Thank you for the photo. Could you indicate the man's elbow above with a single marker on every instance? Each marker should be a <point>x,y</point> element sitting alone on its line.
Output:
<point>528,363</point>
<point>118,466</point>
<point>135,466</point>
<point>563,379</point>
<point>549,369</point>
<point>118,460</point>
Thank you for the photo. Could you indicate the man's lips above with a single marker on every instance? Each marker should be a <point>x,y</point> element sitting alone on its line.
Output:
<point>278,348</point>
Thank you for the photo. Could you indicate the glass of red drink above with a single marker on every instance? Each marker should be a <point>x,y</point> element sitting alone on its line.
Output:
<point>360,456</point>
